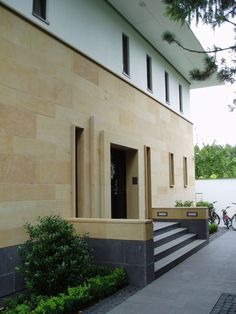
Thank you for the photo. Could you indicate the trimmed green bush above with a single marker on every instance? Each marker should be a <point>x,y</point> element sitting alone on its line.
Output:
<point>213,228</point>
<point>75,298</point>
<point>203,204</point>
<point>183,203</point>
<point>54,257</point>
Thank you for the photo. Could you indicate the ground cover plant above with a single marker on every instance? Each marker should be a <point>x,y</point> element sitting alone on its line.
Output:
<point>212,228</point>
<point>59,271</point>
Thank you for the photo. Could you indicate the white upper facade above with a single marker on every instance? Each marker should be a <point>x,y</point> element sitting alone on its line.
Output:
<point>96,27</point>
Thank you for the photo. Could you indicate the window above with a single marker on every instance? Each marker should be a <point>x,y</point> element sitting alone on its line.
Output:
<point>40,8</point>
<point>125,47</point>
<point>171,170</point>
<point>78,170</point>
<point>167,92</point>
<point>185,173</point>
<point>149,72</point>
<point>180,99</point>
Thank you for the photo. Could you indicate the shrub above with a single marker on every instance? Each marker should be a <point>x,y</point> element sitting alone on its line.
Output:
<point>54,257</point>
<point>213,228</point>
<point>76,297</point>
<point>183,203</point>
<point>203,204</point>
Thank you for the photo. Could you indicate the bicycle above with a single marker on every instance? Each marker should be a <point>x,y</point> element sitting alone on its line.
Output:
<point>213,217</point>
<point>233,220</point>
<point>226,219</point>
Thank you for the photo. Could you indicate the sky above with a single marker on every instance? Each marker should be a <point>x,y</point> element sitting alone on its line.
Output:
<point>213,122</point>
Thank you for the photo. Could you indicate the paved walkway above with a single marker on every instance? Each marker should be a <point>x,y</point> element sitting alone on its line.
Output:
<point>192,287</point>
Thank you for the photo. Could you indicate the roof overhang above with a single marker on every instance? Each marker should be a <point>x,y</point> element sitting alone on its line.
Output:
<point>149,19</point>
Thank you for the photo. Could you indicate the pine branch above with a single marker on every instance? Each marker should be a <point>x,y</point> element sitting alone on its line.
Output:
<point>171,38</point>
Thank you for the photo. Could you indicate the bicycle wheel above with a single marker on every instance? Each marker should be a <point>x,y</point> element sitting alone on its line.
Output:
<point>215,218</point>
<point>233,222</point>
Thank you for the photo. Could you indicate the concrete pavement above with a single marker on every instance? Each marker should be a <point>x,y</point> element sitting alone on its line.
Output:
<point>192,287</point>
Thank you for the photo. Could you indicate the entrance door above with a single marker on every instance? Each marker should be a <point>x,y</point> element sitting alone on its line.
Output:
<point>118,183</point>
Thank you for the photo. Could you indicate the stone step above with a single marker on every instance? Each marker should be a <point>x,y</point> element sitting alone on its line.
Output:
<point>168,236</point>
<point>161,227</point>
<point>165,264</point>
<point>169,247</point>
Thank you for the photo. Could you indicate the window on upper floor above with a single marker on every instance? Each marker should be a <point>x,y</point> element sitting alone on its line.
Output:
<point>167,90</point>
<point>180,99</point>
<point>149,72</point>
<point>40,9</point>
<point>125,50</point>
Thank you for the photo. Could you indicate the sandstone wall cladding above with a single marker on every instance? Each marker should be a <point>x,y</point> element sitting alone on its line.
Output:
<point>46,88</point>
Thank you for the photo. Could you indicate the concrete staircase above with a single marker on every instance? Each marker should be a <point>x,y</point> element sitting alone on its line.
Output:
<point>172,245</point>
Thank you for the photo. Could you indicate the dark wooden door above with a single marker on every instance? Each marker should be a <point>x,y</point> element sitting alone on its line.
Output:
<point>118,183</point>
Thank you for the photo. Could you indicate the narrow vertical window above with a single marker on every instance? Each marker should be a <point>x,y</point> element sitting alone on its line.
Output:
<point>167,91</point>
<point>185,173</point>
<point>149,72</point>
<point>79,171</point>
<point>180,99</point>
<point>40,9</point>
<point>125,48</point>
<point>171,170</point>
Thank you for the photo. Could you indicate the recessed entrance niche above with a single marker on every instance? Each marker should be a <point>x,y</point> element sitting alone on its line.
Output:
<point>124,188</point>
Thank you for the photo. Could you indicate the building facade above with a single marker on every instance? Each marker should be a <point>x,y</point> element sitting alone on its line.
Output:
<point>94,122</point>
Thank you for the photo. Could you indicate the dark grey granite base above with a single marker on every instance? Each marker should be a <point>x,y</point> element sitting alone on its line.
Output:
<point>135,256</point>
<point>10,281</point>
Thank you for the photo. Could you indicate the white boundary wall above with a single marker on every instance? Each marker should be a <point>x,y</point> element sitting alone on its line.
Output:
<point>221,190</point>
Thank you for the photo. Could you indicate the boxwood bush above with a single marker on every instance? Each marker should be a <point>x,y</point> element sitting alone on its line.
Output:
<point>54,257</point>
<point>76,298</point>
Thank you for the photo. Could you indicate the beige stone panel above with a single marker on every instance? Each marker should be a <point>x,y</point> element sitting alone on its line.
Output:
<point>126,92</point>
<point>123,229</point>
<point>14,27</point>
<point>53,131</point>
<point>6,144</point>
<point>24,34</point>
<point>41,61</point>
<point>165,114</point>
<point>12,237</point>
<point>32,147</point>
<point>75,116</point>
<point>51,50</point>
<point>63,153</point>
<point>63,193</point>
<point>7,48</point>
<point>53,172</point>
<point>17,122</point>
<point>16,75</point>
<point>29,192</point>
<point>16,214</point>
<point>181,213</point>
<point>108,82</point>
<point>16,169</point>
<point>6,192</point>
<point>127,120</point>
<point>36,104</point>
<point>62,93</point>
<point>85,68</point>
<point>7,96</point>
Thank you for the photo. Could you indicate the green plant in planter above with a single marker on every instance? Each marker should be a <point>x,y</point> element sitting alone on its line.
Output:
<point>183,203</point>
<point>203,204</point>
<point>54,257</point>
